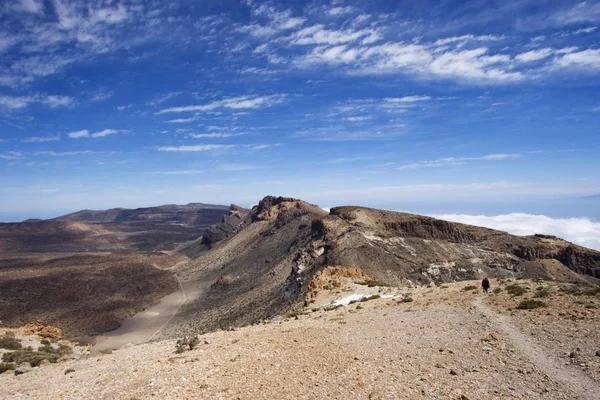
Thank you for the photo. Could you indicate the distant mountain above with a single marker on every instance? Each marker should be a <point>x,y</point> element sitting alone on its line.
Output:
<point>189,214</point>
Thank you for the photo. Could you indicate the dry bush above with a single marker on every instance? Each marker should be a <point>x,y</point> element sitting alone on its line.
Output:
<point>531,304</point>
<point>222,281</point>
<point>185,344</point>
<point>516,290</point>
<point>469,287</point>
<point>9,343</point>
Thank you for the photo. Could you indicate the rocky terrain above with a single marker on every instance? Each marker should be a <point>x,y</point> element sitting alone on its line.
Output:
<point>262,264</point>
<point>445,341</point>
<point>89,271</point>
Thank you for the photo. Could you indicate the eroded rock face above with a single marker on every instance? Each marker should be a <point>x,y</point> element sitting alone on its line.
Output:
<point>282,243</point>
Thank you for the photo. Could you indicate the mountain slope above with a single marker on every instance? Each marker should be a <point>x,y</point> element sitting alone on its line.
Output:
<point>266,267</point>
<point>190,214</point>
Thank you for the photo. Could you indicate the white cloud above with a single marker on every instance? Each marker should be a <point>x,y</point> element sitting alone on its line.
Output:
<point>162,98</point>
<point>467,38</point>
<point>358,119</point>
<point>318,34</point>
<point>11,155</point>
<point>45,139</point>
<point>79,134</point>
<point>181,120</point>
<point>101,95</point>
<point>214,135</point>
<point>534,55</point>
<point>58,101</point>
<point>585,58</point>
<point>581,231</point>
<point>30,6</point>
<point>86,134</point>
<point>335,11</point>
<point>15,102</point>
<point>240,102</point>
<point>449,161</point>
<point>194,148</point>
<point>407,99</point>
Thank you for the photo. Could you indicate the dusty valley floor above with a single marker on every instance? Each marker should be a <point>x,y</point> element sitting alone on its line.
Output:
<point>450,342</point>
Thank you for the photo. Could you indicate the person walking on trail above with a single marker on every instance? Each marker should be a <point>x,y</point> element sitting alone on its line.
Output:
<point>485,284</point>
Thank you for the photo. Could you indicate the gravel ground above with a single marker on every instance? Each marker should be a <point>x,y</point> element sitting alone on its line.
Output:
<point>446,344</point>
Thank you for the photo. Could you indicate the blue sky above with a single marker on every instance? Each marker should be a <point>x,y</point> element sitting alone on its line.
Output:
<point>433,107</point>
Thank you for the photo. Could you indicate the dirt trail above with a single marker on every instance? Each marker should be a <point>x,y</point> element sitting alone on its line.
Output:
<point>144,326</point>
<point>571,379</point>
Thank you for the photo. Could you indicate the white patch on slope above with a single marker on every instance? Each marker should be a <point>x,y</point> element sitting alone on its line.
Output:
<point>581,231</point>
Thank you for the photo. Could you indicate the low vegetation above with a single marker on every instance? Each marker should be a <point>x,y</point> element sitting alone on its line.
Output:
<point>9,343</point>
<point>373,283</point>
<point>35,357</point>
<point>469,287</point>
<point>186,344</point>
<point>542,292</point>
<point>531,304</point>
<point>222,281</point>
<point>6,367</point>
<point>516,290</point>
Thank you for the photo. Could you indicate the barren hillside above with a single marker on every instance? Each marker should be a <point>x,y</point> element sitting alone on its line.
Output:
<point>265,265</point>
<point>429,342</point>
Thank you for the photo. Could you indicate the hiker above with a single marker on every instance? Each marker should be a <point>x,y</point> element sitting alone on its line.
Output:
<point>485,284</point>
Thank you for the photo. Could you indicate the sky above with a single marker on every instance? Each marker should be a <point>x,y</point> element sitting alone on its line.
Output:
<point>439,107</point>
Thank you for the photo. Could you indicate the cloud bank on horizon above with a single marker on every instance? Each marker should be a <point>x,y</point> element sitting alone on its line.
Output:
<point>581,231</point>
<point>127,103</point>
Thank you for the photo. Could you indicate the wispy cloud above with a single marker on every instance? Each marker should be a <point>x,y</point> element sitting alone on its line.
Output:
<point>214,135</point>
<point>87,134</point>
<point>11,155</point>
<point>158,100</point>
<point>234,103</point>
<point>449,161</point>
<point>42,139</point>
<point>181,120</point>
<point>101,95</point>
<point>17,102</point>
<point>195,148</point>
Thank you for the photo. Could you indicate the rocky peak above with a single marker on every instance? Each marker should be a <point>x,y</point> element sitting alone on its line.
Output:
<point>271,207</point>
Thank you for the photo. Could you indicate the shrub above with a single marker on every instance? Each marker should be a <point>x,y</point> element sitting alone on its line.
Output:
<point>222,281</point>
<point>469,287</point>
<point>6,367</point>
<point>407,299</point>
<point>32,357</point>
<point>531,304</point>
<point>497,290</point>
<point>9,343</point>
<point>541,293</point>
<point>373,283</point>
<point>516,290</point>
<point>186,343</point>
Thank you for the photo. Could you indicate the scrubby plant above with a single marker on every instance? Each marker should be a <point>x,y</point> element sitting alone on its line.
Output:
<point>542,293</point>
<point>407,299</point>
<point>9,343</point>
<point>469,287</point>
<point>185,344</point>
<point>531,304</point>
<point>30,356</point>
<point>497,290</point>
<point>516,290</point>
<point>373,283</point>
<point>222,281</point>
<point>6,367</point>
